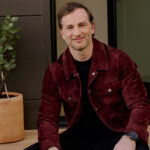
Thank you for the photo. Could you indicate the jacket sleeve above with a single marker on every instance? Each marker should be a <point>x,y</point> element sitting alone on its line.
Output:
<point>135,96</point>
<point>48,116</point>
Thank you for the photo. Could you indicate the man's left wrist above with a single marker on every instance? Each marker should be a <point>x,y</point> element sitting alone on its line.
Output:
<point>132,135</point>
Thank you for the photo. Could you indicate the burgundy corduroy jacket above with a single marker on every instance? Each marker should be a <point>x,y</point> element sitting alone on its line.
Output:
<point>115,90</point>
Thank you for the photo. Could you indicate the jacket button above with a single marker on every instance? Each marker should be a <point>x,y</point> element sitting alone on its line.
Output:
<point>69,98</point>
<point>109,90</point>
<point>96,109</point>
<point>76,74</point>
<point>89,91</point>
<point>93,73</point>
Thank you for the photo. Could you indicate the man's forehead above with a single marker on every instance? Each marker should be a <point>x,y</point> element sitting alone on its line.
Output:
<point>77,16</point>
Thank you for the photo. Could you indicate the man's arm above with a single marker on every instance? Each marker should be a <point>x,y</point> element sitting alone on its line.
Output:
<point>135,96</point>
<point>125,143</point>
<point>53,148</point>
<point>48,116</point>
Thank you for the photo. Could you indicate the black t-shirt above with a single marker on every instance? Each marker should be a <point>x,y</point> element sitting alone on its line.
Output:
<point>89,124</point>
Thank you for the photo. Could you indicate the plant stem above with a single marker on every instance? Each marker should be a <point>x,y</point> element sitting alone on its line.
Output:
<point>1,88</point>
<point>3,79</point>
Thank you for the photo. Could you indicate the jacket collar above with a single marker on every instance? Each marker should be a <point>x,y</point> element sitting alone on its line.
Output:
<point>99,59</point>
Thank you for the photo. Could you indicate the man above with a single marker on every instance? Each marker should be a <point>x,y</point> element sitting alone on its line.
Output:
<point>104,98</point>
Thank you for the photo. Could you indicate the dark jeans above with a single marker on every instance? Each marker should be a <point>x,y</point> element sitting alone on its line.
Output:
<point>90,143</point>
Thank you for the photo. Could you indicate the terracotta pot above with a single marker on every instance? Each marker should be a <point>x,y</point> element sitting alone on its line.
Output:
<point>11,118</point>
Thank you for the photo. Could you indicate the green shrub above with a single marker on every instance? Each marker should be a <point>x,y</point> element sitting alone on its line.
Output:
<point>8,38</point>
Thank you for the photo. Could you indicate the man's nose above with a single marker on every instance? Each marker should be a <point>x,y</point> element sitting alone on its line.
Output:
<point>77,31</point>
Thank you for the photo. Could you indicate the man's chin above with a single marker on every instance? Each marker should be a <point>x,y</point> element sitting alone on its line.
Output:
<point>78,47</point>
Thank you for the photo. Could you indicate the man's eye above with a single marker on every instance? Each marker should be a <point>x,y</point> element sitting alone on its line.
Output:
<point>70,27</point>
<point>81,25</point>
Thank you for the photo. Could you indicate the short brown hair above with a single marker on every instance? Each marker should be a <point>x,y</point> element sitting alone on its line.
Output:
<point>70,7</point>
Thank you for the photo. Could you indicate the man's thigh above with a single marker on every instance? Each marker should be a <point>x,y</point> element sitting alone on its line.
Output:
<point>34,146</point>
<point>141,145</point>
<point>110,144</point>
<point>68,141</point>
<point>77,143</point>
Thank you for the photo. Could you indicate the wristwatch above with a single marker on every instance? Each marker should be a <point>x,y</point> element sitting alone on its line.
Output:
<point>132,135</point>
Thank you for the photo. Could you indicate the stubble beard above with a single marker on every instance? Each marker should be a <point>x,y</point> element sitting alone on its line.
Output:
<point>80,47</point>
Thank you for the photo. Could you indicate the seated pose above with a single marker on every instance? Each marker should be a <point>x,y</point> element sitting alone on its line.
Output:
<point>105,102</point>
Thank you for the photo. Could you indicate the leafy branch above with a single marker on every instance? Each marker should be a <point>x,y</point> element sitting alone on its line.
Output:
<point>8,39</point>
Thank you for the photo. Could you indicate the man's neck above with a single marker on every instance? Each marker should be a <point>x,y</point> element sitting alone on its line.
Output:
<point>82,55</point>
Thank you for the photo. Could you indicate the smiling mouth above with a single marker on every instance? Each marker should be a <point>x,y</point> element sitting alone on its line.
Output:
<point>78,39</point>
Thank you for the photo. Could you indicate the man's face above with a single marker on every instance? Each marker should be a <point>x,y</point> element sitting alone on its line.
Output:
<point>77,30</point>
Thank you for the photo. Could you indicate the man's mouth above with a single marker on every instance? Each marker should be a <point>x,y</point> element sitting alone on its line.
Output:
<point>78,39</point>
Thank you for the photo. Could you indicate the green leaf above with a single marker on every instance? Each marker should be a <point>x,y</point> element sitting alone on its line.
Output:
<point>14,30</point>
<point>1,67</point>
<point>10,36</point>
<point>4,27</point>
<point>12,66</point>
<point>14,54</point>
<point>14,19</point>
<point>12,42</point>
<point>9,47</point>
<point>17,37</point>
<point>8,16</point>
<point>4,49</point>
<point>2,61</point>
<point>3,39</point>
<point>3,33</point>
<point>7,65</point>
<point>1,48</point>
<point>10,25</point>
<point>12,61</point>
<point>1,56</point>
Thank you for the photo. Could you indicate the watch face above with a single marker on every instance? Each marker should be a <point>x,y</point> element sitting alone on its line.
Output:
<point>133,136</point>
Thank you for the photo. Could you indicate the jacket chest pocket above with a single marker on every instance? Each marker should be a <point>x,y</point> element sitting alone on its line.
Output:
<point>69,95</point>
<point>110,92</point>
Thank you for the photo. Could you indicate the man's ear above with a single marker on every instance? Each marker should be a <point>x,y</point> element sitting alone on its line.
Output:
<point>93,27</point>
<point>62,34</point>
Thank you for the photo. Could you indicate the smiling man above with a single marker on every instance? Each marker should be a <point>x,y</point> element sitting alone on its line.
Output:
<point>104,99</point>
<point>77,32</point>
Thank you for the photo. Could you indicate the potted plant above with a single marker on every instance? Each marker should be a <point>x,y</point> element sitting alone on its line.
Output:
<point>11,103</point>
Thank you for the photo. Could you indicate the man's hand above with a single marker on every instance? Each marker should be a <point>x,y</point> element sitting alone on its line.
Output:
<point>53,148</point>
<point>125,143</point>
